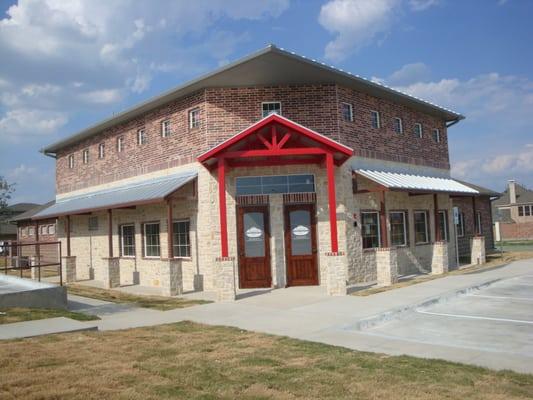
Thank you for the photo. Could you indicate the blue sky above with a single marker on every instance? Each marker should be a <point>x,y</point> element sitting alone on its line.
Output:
<point>65,65</point>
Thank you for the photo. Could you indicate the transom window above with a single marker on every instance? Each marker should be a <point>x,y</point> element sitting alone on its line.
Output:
<point>71,161</point>
<point>86,156</point>
<point>247,185</point>
<point>436,135</point>
<point>194,118</point>
<point>141,137</point>
<point>417,130</point>
<point>398,229</point>
<point>127,240</point>
<point>443,224</point>
<point>270,107</point>
<point>370,229</point>
<point>152,246</point>
<point>101,150</point>
<point>165,128</point>
<point>421,227</point>
<point>120,144</point>
<point>397,125</point>
<point>347,112</point>
<point>375,119</point>
<point>181,239</point>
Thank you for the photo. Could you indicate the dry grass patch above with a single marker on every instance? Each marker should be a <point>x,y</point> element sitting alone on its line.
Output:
<point>19,314</point>
<point>192,361</point>
<point>494,260</point>
<point>156,302</point>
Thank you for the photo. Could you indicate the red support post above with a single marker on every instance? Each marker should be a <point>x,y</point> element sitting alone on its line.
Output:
<point>383,220</point>
<point>222,206</point>
<point>110,232</point>
<point>332,203</point>
<point>437,219</point>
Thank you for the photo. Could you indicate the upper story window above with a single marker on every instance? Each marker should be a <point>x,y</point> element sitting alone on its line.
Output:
<point>421,227</point>
<point>101,150</point>
<point>86,156</point>
<point>347,112</point>
<point>417,129</point>
<point>120,144</point>
<point>375,120</point>
<point>436,135</point>
<point>71,161</point>
<point>397,125</point>
<point>141,137</point>
<point>270,107</point>
<point>43,230</point>
<point>51,229</point>
<point>31,231</point>
<point>165,128</point>
<point>194,118</point>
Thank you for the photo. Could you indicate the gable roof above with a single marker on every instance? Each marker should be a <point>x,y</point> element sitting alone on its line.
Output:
<point>268,66</point>
<point>523,195</point>
<point>31,212</point>
<point>482,190</point>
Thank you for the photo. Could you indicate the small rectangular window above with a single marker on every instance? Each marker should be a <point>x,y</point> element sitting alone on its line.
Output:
<point>527,211</point>
<point>478,223</point>
<point>31,231</point>
<point>141,137</point>
<point>127,240</point>
<point>101,150</point>
<point>71,161</point>
<point>181,240</point>
<point>86,156</point>
<point>397,125</point>
<point>51,229</point>
<point>443,225</point>
<point>194,118</point>
<point>520,211</point>
<point>151,240</point>
<point>436,135</point>
<point>165,128</point>
<point>375,119</point>
<point>270,107</point>
<point>417,130</point>
<point>370,229</point>
<point>43,230</point>
<point>93,223</point>
<point>347,112</point>
<point>398,230</point>
<point>421,227</point>
<point>120,144</point>
<point>461,225</point>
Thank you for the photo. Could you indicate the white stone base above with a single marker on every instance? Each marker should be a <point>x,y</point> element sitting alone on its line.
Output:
<point>171,278</point>
<point>387,266</point>
<point>68,271</point>
<point>477,246</point>
<point>439,260</point>
<point>225,279</point>
<point>111,272</point>
<point>337,274</point>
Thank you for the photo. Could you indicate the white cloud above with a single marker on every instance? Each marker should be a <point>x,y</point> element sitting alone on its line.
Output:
<point>356,23</point>
<point>421,5</point>
<point>20,171</point>
<point>18,124</point>
<point>104,96</point>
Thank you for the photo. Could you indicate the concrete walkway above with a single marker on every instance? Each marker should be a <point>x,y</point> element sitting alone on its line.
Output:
<point>308,313</point>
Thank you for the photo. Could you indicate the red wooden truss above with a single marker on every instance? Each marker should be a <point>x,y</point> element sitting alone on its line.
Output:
<point>275,140</point>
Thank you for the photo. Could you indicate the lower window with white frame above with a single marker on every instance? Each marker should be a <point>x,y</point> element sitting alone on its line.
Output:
<point>421,227</point>
<point>127,240</point>
<point>370,229</point>
<point>181,239</point>
<point>398,228</point>
<point>152,247</point>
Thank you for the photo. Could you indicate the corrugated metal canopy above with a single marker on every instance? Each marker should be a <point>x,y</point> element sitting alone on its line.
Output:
<point>416,183</point>
<point>142,192</point>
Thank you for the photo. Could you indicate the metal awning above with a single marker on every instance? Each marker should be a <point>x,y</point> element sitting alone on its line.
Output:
<point>142,192</point>
<point>416,183</point>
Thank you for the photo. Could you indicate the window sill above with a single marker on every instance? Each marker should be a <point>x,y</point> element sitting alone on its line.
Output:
<point>183,258</point>
<point>422,244</point>
<point>151,258</point>
<point>128,257</point>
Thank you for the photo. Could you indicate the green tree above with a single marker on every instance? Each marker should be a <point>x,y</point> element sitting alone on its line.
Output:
<point>6,189</point>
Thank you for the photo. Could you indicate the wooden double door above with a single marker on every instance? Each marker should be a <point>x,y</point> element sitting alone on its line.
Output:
<point>253,237</point>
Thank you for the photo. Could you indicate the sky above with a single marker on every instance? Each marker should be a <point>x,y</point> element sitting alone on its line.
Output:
<point>65,65</point>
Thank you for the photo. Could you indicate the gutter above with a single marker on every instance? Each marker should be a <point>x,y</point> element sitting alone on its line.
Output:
<point>455,121</point>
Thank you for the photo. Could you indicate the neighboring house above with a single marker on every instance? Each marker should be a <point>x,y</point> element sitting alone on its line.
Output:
<point>42,231</point>
<point>513,213</point>
<point>277,168</point>
<point>8,231</point>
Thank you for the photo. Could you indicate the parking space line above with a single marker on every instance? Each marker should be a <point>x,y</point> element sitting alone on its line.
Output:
<point>500,297</point>
<point>519,321</point>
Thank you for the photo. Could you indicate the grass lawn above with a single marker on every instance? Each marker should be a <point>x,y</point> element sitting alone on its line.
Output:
<point>193,361</point>
<point>9,315</point>
<point>494,260</point>
<point>116,296</point>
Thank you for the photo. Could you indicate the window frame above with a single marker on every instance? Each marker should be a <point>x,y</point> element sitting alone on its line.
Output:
<point>71,161</point>
<point>165,128</point>
<point>420,133</point>
<point>445,230</point>
<point>120,144</point>
<point>85,156</point>
<point>521,210</point>
<point>263,103</point>
<point>350,110</point>
<point>121,235</point>
<point>144,237</point>
<point>405,231</point>
<point>398,120</point>
<point>426,218</point>
<point>51,229</point>
<point>142,138</point>
<point>378,229</point>
<point>43,230</point>
<point>378,119</point>
<point>436,138</point>
<point>101,151</point>
<point>188,236</point>
<point>528,210</point>
<point>194,123</point>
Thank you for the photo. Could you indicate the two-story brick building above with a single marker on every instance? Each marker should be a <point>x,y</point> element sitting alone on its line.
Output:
<point>272,171</point>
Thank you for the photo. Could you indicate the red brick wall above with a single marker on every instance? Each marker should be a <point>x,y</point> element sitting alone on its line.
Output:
<point>513,231</point>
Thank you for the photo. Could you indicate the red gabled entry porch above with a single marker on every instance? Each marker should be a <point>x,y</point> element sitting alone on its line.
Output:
<point>276,141</point>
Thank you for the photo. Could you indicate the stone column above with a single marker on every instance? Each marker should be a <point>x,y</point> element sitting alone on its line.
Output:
<point>277,244</point>
<point>225,279</point>
<point>68,266</point>
<point>439,260</point>
<point>337,273</point>
<point>111,272</point>
<point>477,246</point>
<point>387,266</point>
<point>171,277</point>
<point>34,270</point>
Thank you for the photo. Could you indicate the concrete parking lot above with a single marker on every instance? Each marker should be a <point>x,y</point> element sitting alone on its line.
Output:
<point>496,319</point>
